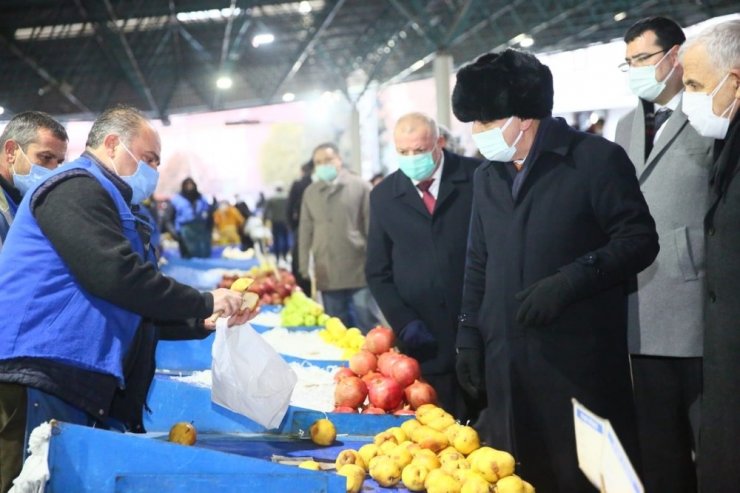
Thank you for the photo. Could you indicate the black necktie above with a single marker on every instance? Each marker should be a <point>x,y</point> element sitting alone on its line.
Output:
<point>661,116</point>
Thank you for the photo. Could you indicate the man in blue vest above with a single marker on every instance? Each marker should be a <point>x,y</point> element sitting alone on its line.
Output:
<point>82,299</point>
<point>32,145</point>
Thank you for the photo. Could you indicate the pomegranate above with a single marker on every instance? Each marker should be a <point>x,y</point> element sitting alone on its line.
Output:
<point>386,362</point>
<point>372,410</point>
<point>419,393</point>
<point>405,371</point>
<point>385,393</point>
<point>379,340</point>
<point>345,410</point>
<point>363,362</point>
<point>369,377</point>
<point>350,392</point>
<point>342,373</point>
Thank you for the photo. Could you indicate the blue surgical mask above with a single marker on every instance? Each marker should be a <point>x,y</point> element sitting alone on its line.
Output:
<point>417,167</point>
<point>643,81</point>
<point>493,146</point>
<point>144,180</point>
<point>35,175</point>
<point>326,172</point>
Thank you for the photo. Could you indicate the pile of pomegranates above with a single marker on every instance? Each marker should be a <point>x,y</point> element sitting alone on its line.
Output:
<point>380,380</point>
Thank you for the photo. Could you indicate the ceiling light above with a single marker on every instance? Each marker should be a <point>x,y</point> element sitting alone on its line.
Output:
<point>304,7</point>
<point>288,97</point>
<point>417,65</point>
<point>524,40</point>
<point>224,82</point>
<point>262,39</point>
<point>620,16</point>
<point>2,110</point>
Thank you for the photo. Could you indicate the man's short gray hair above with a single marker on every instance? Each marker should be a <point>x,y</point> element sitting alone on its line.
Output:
<point>24,128</point>
<point>124,121</point>
<point>721,42</point>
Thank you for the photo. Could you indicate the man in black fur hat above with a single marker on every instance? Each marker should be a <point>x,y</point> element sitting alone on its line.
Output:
<point>559,228</point>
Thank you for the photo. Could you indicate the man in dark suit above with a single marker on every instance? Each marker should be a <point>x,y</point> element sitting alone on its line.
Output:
<point>419,219</point>
<point>558,229</point>
<point>711,62</point>
<point>666,314</point>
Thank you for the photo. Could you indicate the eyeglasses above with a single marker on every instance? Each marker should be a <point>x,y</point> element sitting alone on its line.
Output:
<point>637,61</point>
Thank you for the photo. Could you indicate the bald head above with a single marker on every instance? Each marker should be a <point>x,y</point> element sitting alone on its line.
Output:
<point>417,133</point>
<point>413,122</point>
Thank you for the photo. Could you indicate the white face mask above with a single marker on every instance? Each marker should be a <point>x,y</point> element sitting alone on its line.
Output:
<point>493,146</point>
<point>643,81</point>
<point>697,106</point>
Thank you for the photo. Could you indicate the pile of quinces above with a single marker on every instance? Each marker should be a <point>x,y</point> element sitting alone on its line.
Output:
<point>301,311</point>
<point>431,453</point>
<point>337,334</point>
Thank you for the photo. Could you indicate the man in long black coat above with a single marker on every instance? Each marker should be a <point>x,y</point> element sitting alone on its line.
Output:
<point>416,257</point>
<point>716,73</point>
<point>558,229</point>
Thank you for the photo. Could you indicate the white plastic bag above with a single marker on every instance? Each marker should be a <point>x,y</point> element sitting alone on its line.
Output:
<point>249,376</point>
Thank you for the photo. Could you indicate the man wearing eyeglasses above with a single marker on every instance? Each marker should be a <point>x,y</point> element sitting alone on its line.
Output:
<point>665,314</point>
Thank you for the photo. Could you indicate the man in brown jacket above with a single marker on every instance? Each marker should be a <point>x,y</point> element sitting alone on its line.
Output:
<point>333,226</point>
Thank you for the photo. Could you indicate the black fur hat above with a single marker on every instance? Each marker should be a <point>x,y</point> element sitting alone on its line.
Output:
<point>500,85</point>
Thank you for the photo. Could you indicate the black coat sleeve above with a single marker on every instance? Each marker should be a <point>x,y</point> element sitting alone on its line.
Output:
<point>379,273</point>
<point>81,221</point>
<point>468,335</point>
<point>181,330</point>
<point>623,214</point>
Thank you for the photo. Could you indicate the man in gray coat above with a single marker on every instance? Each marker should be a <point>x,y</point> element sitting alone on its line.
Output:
<point>335,214</point>
<point>666,313</point>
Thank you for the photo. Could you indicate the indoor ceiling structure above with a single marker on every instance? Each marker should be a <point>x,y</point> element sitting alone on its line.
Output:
<point>73,58</point>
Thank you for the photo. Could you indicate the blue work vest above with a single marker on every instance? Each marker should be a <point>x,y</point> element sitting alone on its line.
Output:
<point>186,212</point>
<point>46,312</point>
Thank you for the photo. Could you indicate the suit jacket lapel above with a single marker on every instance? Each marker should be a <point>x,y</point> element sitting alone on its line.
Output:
<point>636,151</point>
<point>673,127</point>
<point>451,173</point>
<point>405,191</point>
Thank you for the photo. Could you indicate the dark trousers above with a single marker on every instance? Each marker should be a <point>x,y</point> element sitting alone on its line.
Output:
<point>280,240</point>
<point>22,409</point>
<point>667,398</point>
<point>303,282</point>
<point>12,432</point>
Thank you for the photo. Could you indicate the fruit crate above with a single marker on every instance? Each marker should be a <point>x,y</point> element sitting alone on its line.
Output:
<point>86,460</point>
<point>219,429</point>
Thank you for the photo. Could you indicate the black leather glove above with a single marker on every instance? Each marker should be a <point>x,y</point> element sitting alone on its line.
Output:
<point>469,369</point>
<point>543,301</point>
<point>416,341</point>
